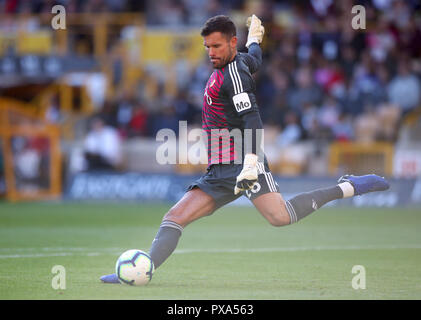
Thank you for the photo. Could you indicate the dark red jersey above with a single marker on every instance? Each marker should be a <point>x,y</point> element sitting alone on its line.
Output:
<point>229,96</point>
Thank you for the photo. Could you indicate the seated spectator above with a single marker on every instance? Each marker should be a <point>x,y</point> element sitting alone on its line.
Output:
<point>291,132</point>
<point>309,120</point>
<point>388,115</point>
<point>307,91</point>
<point>366,126</point>
<point>381,40</point>
<point>139,122</point>
<point>102,146</point>
<point>405,89</point>
<point>343,130</point>
<point>328,114</point>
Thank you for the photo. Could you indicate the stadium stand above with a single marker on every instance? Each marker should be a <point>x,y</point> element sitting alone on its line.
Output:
<point>333,99</point>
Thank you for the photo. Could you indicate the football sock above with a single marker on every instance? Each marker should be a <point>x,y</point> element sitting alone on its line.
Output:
<point>165,242</point>
<point>347,189</point>
<point>305,203</point>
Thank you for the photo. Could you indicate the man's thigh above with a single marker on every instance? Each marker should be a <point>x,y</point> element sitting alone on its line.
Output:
<point>193,205</point>
<point>265,183</point>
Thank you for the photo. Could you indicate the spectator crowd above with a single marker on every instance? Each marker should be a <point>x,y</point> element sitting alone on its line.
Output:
<point>320,78</point>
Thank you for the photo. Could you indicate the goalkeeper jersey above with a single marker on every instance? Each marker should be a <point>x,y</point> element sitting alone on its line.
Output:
<point>228,98</point>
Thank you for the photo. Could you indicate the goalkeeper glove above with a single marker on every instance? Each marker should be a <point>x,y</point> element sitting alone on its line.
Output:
<point>256,30</point>
<point>248,176</point>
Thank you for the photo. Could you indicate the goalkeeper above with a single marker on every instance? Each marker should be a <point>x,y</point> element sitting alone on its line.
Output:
<point>235,168</point>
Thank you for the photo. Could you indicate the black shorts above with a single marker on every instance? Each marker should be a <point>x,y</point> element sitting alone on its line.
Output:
<point>220,179</point>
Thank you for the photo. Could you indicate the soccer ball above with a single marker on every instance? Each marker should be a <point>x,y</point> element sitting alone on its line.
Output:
<point>134,267</point>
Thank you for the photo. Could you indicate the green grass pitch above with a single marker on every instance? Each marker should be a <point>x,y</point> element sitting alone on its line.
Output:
<point>233,254</point>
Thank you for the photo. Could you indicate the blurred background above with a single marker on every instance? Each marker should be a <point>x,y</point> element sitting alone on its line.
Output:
<point>80,106</point>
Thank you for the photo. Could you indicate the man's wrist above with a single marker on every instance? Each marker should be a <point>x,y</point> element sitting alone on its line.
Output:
<point>250,159</point>
<point>250,41</point>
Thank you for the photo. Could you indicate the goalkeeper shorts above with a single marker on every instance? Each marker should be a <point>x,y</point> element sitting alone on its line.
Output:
<point>220,179</point>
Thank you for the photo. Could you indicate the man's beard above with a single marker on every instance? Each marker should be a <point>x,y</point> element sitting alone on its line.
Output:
<point>223,62</point>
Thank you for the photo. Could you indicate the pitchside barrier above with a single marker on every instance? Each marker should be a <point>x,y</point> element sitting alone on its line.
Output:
<point>361,157</point>
<point>169,188</point>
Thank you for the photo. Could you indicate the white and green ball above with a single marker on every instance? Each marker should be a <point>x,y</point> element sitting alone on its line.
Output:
<point>134,267</point>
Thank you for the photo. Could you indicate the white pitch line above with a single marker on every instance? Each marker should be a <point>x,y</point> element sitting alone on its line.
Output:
<point>45,255</point>
<point>97,252</point>
<point>35,255</point>
<point>43,249</point>
<point>296,249</point>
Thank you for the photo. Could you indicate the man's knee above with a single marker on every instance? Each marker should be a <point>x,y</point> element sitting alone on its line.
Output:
<point>278,218</point>
<point>176,215</point>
